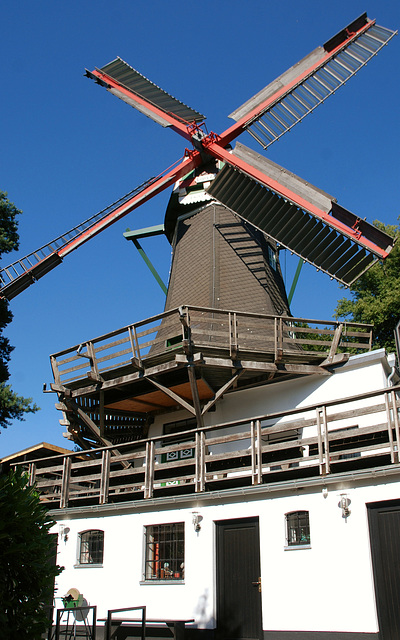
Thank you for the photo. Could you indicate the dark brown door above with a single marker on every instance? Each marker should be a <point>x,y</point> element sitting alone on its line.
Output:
<point>238,579</point>
<point>384,527</point>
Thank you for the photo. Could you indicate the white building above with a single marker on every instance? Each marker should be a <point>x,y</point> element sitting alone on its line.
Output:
<point>289,535</point>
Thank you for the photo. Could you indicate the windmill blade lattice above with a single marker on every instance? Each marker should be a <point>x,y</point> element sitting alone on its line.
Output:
<point>297,92</point>
<point>339,253</point>
<point>36,264</point>
<point>22,273</point>
<point>123,81</point>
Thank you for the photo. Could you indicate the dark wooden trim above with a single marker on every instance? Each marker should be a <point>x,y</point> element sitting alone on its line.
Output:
<point>319,635</point>
<point>385,559</point>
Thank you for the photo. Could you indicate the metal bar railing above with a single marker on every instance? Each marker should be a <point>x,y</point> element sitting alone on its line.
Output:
<point>109,620</point>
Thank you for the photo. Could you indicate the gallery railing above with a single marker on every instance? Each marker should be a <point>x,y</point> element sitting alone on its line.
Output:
<point>357,432</point>
<point>196,328</point>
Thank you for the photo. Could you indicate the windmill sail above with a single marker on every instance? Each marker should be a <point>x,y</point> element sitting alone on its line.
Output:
<point>335,241</point>
<point>20,274</point>
<point>298,91</point>
<point>132,87</point>
<point>304,220</point>
<point>23,272</point>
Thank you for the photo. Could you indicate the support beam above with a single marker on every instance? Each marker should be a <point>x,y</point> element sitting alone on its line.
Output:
<point>295,280</point>
<point>221,391</point>
<point>262,367</point>
<point>148,263</point>
<point>81,442</point>
<point>195,396</point>
<point>173,395</point>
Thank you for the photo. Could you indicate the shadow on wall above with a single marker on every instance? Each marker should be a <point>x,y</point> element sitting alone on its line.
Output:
<point>204,620</point>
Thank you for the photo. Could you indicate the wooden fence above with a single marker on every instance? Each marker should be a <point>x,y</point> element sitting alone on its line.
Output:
<point>206,329</point>
<point>355,432</point>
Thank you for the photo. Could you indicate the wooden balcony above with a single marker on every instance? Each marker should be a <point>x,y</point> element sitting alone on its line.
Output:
<point>349,434</point>
<point>151,343</point>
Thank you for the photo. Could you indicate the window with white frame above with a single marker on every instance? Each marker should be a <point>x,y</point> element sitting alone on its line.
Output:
<point>91,547</point>
<point>297,528</point>
<point>165,551</point>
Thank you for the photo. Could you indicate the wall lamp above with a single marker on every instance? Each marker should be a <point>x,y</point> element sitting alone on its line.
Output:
<point>344,504</point>
<point>64,531</point>
<point>196,519</point>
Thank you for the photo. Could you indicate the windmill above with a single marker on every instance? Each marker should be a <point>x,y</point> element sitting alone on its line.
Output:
<point>284,208</point>
<point>231,210</point>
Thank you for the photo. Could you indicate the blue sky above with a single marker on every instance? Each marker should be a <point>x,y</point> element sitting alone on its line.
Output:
<point>68,148</point>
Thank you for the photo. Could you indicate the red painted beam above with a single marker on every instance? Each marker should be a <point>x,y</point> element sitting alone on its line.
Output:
<point>174,123</point>
<point>163,182</point>
<point>235,130</point>
<point>215,149</point>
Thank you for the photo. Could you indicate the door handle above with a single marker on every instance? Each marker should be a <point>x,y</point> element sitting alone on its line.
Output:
<point>257,583</point>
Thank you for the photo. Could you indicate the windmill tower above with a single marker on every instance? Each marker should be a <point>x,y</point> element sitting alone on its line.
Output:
<point>230,212</point>
<point>219,260</point>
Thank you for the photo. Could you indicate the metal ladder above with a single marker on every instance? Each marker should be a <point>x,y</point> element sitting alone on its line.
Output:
<point>20,274</point>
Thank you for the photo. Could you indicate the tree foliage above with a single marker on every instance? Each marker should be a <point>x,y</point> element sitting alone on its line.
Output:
<point>12,406</point>
<point>375,297</point>
<point>27,573</point>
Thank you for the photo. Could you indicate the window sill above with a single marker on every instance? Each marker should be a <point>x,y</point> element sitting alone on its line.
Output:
<point>296,547</point>
<point>158,582</point>
<point>88,566</point>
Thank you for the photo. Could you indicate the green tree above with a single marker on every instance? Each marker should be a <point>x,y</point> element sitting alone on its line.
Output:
<point>27,573</point>
<point>12,406</point>
<point>375,297</point>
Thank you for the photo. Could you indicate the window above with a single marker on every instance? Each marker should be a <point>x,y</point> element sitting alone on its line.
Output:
<point>346,443</point>
<point>272,257</point>
<point>178,427</point>
<point>91,547</point>
<point>165,551</point>
<point>297,528</point>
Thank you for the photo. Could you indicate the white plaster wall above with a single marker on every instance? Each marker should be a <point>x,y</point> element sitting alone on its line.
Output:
<point>366,372</point>
<point>326,587</point>
<point>363,373</point>
<point>118,583</point>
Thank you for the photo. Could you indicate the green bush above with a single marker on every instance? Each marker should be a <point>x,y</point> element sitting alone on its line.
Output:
<point>26,571</point>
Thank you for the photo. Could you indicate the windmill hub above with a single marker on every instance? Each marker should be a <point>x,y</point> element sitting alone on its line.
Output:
<point>198,136</point>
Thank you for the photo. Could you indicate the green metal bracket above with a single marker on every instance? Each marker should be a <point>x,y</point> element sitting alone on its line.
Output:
<point>295,280</point>
<point>147,233</point>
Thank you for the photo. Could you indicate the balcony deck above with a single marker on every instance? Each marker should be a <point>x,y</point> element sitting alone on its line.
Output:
<point>354,433</point>
<point>216,334</point>
<point>111,387</point>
